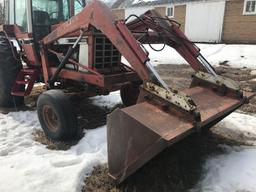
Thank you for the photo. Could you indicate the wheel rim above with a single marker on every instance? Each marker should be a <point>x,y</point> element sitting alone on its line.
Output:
<point>50,118</point>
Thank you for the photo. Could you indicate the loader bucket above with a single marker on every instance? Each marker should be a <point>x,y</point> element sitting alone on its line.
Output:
<point>137,133</point>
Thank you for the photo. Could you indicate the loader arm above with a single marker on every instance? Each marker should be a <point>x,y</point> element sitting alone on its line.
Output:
<point>99,16</point>
<point>166,31</point>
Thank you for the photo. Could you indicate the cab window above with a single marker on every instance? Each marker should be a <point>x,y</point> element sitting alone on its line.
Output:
<point>56,10</point>
<point>78,6</point>
<point>21,15</point>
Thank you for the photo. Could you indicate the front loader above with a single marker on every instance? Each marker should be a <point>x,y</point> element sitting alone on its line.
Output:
<point>77,49</point>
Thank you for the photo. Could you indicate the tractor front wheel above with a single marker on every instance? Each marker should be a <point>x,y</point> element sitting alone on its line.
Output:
<point>130,93</point>
<point>57,116</point>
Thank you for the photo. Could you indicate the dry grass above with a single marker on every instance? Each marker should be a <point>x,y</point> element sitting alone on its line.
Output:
<point>40,137</point>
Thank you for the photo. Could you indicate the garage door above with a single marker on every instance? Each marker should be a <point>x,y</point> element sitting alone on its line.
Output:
<point>204,21</point>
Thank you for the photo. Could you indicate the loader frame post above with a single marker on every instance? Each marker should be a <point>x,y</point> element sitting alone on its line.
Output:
<point>66,58</point>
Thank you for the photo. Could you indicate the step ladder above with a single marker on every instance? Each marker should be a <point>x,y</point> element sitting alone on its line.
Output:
<point>26,78</point>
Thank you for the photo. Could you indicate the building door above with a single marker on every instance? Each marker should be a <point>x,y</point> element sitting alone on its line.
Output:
<point>204,21</point>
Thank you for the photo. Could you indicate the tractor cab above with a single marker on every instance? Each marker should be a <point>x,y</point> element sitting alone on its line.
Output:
<point>35,19</point>
<point>37,16</point>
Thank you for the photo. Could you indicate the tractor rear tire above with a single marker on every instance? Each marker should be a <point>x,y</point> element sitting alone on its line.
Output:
<point>57,116</point>
<point>130,93</point>
<point>10,66</point>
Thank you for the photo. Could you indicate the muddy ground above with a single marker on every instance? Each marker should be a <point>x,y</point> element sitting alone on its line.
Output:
<point>178,168</point>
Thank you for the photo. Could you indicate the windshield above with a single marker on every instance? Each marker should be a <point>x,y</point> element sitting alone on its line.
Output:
<point>55,10</point>
<point>78,5</point>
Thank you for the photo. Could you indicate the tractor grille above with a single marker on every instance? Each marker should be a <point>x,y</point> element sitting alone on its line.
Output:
<point>105,54</point>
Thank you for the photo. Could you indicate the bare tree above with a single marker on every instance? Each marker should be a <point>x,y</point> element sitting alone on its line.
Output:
<point>2,14</point>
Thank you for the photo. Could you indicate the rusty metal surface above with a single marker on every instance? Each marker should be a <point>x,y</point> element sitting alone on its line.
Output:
<point>130,145</point>
<point>138,133</point>
<point>162,123</point>
<point>209,103</point>
<point>214,107</point>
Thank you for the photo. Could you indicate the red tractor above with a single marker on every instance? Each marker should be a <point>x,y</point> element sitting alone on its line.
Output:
<point>77,48</point>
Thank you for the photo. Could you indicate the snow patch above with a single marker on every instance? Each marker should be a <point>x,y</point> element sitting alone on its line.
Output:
<point>237,56</point>
<point>36,168</point>
<point>235,171</point>
<point>27,165</point>
<point>108,101</point>
<point>238,127</point>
